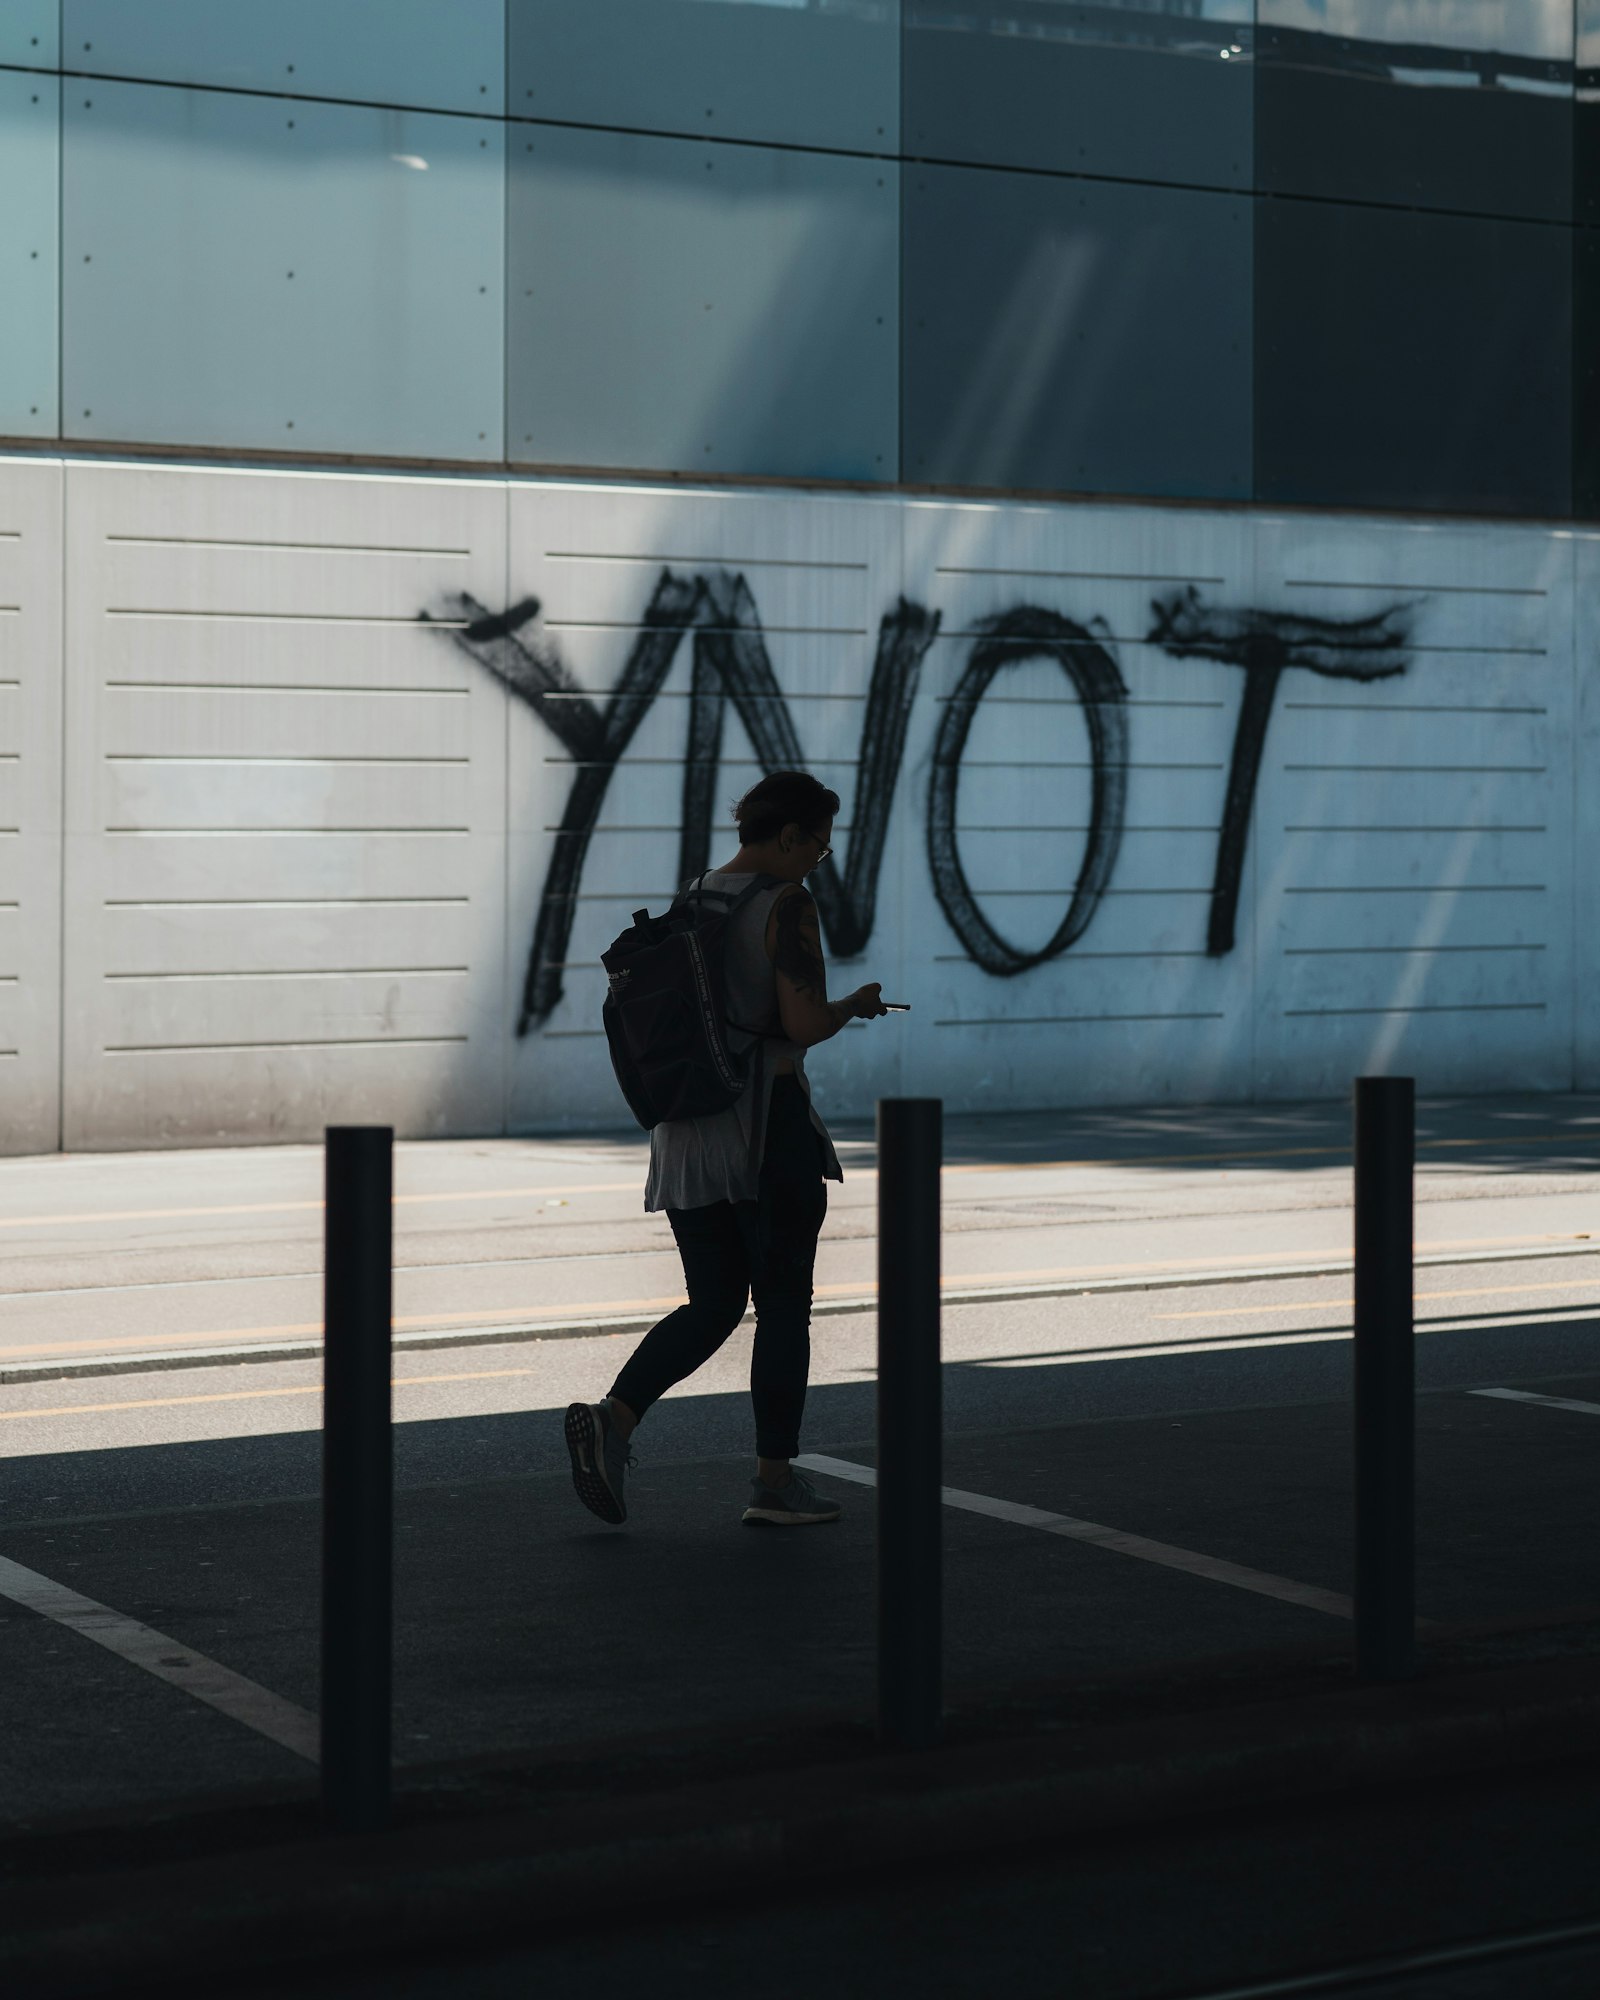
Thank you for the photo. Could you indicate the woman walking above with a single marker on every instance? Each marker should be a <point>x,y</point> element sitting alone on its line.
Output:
<point>744,1189</point>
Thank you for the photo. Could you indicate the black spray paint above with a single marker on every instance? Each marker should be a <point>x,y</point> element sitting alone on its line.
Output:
<point>731,641</point>
<point>594,737</point>
<point>1265,644</point>
<point>1029,633</point>
<point>731,664</point>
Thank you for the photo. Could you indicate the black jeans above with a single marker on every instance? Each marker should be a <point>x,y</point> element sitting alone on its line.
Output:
<point>731,1249</point>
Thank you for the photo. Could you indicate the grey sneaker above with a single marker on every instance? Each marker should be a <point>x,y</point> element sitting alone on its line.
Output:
<point>600,1461</point>
<point>797,1505</point>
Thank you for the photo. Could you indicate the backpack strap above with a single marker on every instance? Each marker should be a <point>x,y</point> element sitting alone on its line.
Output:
<point>756,882</point>
<point>696,892</point>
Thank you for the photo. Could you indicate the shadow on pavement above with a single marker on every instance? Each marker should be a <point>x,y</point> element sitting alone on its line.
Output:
<point>521,1621</point>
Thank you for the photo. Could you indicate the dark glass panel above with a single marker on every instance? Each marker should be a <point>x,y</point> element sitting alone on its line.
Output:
<point>1149,89</point>
<point>1460,104</point>
<point>1586,374</point>
<point>1411,360</point>
<point>1071,335</point>
<point>1586,116</point>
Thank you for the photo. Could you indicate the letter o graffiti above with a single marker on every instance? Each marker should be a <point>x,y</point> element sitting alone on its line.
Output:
<point>1029,633</point>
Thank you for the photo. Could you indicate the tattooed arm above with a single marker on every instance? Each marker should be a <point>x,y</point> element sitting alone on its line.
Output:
<point>794,944</point>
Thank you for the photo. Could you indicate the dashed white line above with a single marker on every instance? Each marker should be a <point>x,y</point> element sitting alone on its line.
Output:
<point>1262,1582</point>
<point>206,1680</point>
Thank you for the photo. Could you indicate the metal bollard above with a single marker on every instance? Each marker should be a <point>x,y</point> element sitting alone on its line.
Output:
<point>1385,1379</point>
<point>357,1478</point>
<point>910,1443</point>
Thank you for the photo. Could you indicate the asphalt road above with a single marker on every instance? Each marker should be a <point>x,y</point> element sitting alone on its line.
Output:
<point>1178,1913</point>
<point>1146,1338</point>
<point>1209,1415</point>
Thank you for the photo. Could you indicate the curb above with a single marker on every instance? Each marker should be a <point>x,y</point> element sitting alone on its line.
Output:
<point>483,1871</point>
<point>578,1329</point>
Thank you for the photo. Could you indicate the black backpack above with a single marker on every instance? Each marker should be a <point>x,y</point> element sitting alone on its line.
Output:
<point>666,1015</point>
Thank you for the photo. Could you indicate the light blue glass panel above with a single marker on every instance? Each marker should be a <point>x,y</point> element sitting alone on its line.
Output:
<point>30,32</point>
<point>688,307</point>
<point>254,271</point>
<point>30,133</point>
<point>782,71</point>
<point>448,57</point>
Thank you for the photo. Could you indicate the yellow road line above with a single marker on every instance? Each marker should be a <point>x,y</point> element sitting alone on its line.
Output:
<point>245,1395</point>
<point>146,1340</point>
<point>1344,1305</point>
<point>490,1316</point>
<point>573,1309</point>
<point>585,1309</point>
<point>301,1207</point>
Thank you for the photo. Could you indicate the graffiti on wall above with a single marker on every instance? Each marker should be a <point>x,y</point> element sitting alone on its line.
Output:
<point>730,664</point>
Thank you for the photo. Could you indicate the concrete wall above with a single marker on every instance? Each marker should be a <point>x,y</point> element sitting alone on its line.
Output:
<point>1141,803</point>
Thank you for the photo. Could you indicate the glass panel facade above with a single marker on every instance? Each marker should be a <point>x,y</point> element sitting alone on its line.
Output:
<point>1586,374</point>
<point>1049,245</point>
<point>1455,104</point>
<point>257,271</point>
<point>1075,335</point>
<point>446,58</point>
<point>30,135</point>
<point>1412,360</point>
<point>1149,89</point>
<point>30,32</point>
<point>705,308</point>
<point>1586,115</point>
<point>768,70</point>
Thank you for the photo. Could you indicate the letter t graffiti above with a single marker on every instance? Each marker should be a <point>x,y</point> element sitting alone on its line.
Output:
<point>1265,644</point>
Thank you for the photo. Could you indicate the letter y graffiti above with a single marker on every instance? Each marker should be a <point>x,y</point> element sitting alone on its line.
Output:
<point>594,737</point>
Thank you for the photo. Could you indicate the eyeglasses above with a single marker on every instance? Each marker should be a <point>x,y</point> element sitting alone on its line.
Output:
<point>822,851</point>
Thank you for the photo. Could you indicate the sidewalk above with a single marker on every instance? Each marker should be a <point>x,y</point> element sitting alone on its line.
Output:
<point>130,1262</point>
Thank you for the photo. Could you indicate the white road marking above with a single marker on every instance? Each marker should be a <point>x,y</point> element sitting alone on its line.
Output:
<point>217,1686</point>
<point>1551,1402</point>
<point>1262,1582</point>
<point>1147,1350</point>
